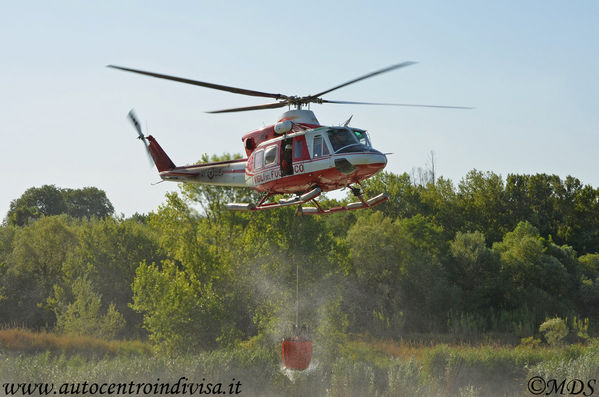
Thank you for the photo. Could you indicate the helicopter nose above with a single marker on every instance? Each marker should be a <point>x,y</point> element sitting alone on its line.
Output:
<point>377,157</point>
<point>377,161</point>
<point>363,163</point>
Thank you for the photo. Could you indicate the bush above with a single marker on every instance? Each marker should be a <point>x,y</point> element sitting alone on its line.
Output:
<point>554,330</point>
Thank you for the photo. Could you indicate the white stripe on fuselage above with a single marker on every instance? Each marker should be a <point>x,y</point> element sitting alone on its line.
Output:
<point>273,172</point>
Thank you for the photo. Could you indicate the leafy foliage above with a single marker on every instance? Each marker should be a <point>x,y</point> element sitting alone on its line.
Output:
<point>84,317</point>
<point>49,200</point>
<point>554,330</point>
<point>487,255</point>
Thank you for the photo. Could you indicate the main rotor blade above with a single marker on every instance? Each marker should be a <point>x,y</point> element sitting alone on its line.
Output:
<point>234,90</point>
<point>388,69</point>
<point>396,104</point>
<point>258,107</point>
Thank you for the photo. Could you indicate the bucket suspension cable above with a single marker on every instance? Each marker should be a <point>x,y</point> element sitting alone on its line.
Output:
<point>297,349</point>
<point>297,296</point>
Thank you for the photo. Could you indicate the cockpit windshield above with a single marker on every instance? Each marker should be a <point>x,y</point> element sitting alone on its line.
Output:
<point>341,138</point>
<point>362,137</point>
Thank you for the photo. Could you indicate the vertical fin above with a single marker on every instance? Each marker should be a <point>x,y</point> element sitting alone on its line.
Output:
<point>161,159</point>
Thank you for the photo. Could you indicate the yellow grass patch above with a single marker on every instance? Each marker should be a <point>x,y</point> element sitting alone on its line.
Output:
<point>22,340</point>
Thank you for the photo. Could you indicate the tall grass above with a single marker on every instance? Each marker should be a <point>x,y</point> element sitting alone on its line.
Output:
<point>362,367</point>
<point>583,365</point>
<point>22,340</point>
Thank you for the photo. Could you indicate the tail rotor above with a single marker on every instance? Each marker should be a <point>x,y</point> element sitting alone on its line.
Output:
<point>133,118</point>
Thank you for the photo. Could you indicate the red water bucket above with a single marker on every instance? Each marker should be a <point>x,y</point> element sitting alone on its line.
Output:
<point>297,353</point>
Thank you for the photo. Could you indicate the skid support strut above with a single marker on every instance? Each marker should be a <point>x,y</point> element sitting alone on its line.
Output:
<point>351,206</point>
<point>263,205</point>
<point>310,196</point>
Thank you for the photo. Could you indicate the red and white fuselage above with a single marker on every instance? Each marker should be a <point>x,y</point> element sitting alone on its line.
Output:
<point>293,156</point>
<point>311,161</point>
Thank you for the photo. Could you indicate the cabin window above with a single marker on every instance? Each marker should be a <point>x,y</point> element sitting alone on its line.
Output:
<point>270,155</point>
<point>317,146</point>
<point>297,150</point>
<point>259,160</point>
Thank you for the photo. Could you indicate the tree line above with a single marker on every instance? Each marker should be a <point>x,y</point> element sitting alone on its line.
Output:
<point>486,255</point>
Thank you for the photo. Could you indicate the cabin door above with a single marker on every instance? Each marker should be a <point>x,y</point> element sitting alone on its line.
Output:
<point>286,153</point>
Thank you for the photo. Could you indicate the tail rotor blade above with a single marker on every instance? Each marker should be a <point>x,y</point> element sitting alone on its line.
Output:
<point>134,120</point>
<point>150,158</point>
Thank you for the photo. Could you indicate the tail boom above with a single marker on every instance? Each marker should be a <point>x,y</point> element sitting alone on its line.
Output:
<point>224,173</point>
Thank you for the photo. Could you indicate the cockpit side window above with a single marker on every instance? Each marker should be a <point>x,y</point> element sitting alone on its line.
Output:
<point>259,160</point>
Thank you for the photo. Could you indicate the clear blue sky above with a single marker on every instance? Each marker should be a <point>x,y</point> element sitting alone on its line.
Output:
<point>529,68</point>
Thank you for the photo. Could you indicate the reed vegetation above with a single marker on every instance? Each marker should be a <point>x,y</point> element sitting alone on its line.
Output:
<point>363,366</point>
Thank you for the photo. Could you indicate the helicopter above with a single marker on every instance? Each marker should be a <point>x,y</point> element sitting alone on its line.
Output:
<point>296,156</point>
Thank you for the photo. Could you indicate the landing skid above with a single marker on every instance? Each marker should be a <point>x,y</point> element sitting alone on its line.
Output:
<point>381,198</point>
<point>263,205</point>
<point>308,197</point>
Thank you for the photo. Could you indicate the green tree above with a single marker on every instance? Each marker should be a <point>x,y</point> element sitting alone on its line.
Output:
<point>537,278</point>
<point>563,209</point>
<point>579,208</point>
<point>108,253</point>
<point>180,312</point>
<point>33,267</point>
<point>404,197</point>
<point>400,282</point>
<point>475,269</point>
<point>50,200</point>
<point>481,204</point>
<point>200,275</point>
<point>36,202</point>
<point>441,204</point>
<point>588,292</point>
<point>88,202</point>
<point>84,315</point>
